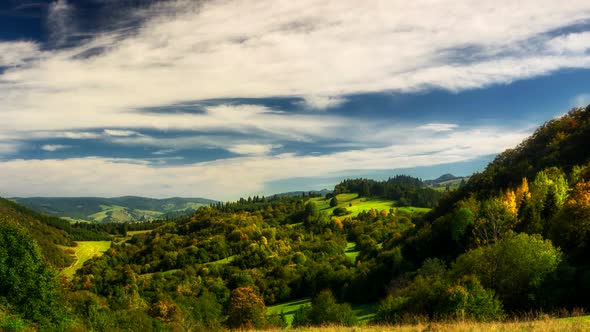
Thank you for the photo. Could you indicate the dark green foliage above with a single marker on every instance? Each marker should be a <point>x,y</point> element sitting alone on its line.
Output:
<point>514,267</point>
<point>529,218</point>
<point>26,283</point>
<point>462,222</point>
<point>340,211</point>
<point>47,237</point>
<point>324,310</point>
<point>560,142</point>
<point>406,190</point>
<point>435,294</point>
<point>570,228</point>
<point>468,299</point>
<point>334,202</point>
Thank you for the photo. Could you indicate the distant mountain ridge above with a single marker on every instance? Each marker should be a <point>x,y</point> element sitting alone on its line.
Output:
<point>115,209</point>
<point>446,180</point>
<point>322,192</point>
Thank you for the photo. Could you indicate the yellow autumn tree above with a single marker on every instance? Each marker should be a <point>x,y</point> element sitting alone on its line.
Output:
<point>509,201</point>
<point>338,223</point>
<point>522,192</point>
<point>246,309</point>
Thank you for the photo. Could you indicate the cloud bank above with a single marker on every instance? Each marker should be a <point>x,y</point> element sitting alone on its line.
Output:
<point>318,52</point>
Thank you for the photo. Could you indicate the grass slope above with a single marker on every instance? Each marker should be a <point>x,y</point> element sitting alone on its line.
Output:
<point>84,251</point>
<point>355,204</point>
<point>364,312</point>
<point>351,251</point>
<point>288,308</point>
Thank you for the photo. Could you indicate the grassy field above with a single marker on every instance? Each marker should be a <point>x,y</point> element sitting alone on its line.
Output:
<point>131,233</point>
<point>355,204</point>
<point>364,312</point>
<point>288,308</point>
<point>545,325</point>
<point>226,260</point>
<point>84,251</point>
<point>412,209</point>
<point>351,251</point>
<point>164,273</point>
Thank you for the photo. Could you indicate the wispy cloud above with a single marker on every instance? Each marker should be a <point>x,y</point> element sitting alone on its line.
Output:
<point>17,53</point>
<point>120,133</point>
<point>54,147</point>
<point>285,48</point>
<point>252,149</point>
<point>230,178</point>
<point>316,102</point>
<point>438,126</point>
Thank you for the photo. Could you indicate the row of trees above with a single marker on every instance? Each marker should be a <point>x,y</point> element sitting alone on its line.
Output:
<point>405,190</point>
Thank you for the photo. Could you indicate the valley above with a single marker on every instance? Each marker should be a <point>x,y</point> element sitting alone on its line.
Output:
<point>397,254</point>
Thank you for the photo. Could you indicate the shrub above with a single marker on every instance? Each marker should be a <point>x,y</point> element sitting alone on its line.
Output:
<point>325,310</point>
<point>340,211</point>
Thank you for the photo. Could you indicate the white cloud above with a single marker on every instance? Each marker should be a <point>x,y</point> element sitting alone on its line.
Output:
<point>250,146</point>
<point>235,177</point>
<point>437,127</point>
<point>252,149</point>
<point>573,42</point>
<point>78,135</point>
<point>17,53</point>
<point>316,102</point>
<point>54,147</point>
<point>120,133</point>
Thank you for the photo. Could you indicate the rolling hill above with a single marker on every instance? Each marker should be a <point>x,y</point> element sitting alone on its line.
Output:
<point>49,238</point>
<point>117,209</point>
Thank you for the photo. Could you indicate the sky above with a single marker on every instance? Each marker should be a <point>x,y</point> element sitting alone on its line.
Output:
<point>232,98</point>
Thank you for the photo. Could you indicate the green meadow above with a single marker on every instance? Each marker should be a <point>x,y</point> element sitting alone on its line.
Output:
<point>363,312</point>
<point>84,251</point>
<point>355,204</point>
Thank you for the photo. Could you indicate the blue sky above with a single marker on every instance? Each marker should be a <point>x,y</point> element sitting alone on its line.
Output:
<point>223,99</point>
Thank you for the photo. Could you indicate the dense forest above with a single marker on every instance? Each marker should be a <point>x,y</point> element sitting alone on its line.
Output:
<point>512,240</point>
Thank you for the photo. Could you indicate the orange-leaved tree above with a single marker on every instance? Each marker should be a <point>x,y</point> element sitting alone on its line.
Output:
<point>246,308</point>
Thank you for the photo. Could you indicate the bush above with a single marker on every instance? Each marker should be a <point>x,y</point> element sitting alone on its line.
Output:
<point>391,310</point>
<point>325,310</point>
<point>469,300</point>
<point>435,294</point>
<point>340,211</point>
<point>334,202</point>
<point>514,267</point>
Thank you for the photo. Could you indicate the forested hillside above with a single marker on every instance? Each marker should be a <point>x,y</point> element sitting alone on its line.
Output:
<point>116,209</point>
<point>405,190</point>
<point>512,240</point>
<point>47,237</point>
